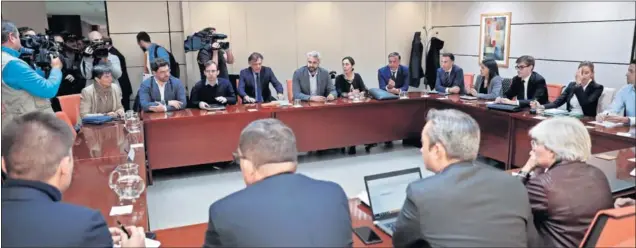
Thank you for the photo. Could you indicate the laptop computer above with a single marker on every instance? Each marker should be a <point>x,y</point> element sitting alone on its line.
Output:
<point>387,192</point>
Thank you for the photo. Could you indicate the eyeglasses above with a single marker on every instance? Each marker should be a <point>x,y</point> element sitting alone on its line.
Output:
<point>521,67</point>
<point>236,157</point>
<point>534,144</point>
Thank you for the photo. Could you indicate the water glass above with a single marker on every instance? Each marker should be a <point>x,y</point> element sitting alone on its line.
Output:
<point>132,122</point>
<point>297,103</point>
<point>403,95</point>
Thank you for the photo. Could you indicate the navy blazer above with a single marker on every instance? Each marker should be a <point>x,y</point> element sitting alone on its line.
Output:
<point>246,83</point>
<point>444,81</point>
<point>285,210</point>
<point>33,216</point>
<point>224,87</point>
<point>402,82</point>
<point>149,93</point>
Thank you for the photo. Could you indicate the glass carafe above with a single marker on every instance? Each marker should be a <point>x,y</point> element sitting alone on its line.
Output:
<point>126,182</point>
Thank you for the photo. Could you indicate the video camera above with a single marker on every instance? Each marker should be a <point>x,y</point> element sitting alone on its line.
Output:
<point>100,47</point>
<point>204,40</point>
<point>44,48</point>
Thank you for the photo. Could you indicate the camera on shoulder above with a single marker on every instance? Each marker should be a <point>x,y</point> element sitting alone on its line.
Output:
<point>44,47</point>
<point>204,40</point>
<point>99,47</point>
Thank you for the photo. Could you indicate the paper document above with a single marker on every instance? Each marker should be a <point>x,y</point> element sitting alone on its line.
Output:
<point>632,160</point>
<point>138,145</point>
<point>633,173</point>
<point>624,134</point>
<point>364,197</point>
<point>121,210</point>
<point>555,111</point>
<point>149,243</point>
<point>540,117</point>
<point>607,124</point>
<point>488,103</point>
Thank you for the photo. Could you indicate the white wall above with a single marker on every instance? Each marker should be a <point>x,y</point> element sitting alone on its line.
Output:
<point>558,34</point>
<point>26,14</point>
<point>285,31</point>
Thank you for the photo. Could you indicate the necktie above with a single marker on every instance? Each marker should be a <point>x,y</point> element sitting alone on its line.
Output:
<point>524,94</point>
<point>259,95</point>
<point>393,74</point>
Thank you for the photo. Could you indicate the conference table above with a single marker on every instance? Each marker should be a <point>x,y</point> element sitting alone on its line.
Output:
<point>194,137</point>
<point>97,151</point>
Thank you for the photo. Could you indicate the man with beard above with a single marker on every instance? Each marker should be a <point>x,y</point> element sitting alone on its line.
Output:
<point>312,82</point>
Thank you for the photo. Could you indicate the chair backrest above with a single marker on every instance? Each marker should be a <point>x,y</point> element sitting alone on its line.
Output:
<point>239,99</point>
<point>505,85</point>
<point>554,91</point>
<point>612,228</point>
<point>290,91</point>
<point>62,116</point>
<point>606,99</point>
<point>468,81</point>
<point>70,106</point>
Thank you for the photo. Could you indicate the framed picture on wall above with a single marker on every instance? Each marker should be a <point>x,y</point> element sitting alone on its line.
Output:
<point>494,37</point>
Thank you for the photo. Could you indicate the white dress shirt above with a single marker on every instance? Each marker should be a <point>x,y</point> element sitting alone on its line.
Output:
<point>525,87</point>
<point>313,83</point>
<point>574,101</point>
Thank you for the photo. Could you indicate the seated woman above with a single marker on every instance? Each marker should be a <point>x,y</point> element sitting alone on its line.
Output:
<point>565,193</point>
<point>581,96</point>
<point>349,81</point>
<point>488,84</point>
<point>103,97</point>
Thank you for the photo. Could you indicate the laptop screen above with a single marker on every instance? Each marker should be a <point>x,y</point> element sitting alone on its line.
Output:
<point>387,194</point>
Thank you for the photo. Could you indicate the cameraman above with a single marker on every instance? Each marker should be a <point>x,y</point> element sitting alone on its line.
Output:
<point>215,53</point>
<point>23,90</point>
<point>91,59</point>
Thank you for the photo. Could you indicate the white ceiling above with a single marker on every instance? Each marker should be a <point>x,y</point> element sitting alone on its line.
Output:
<point>93,12</point>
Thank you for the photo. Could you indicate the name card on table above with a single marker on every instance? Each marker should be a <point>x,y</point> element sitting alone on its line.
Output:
<point>121,210</point>
<point>131,155</point>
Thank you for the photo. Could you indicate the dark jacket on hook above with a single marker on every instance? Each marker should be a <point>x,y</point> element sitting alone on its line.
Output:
<point>432,61</point>
<point>415,64</point>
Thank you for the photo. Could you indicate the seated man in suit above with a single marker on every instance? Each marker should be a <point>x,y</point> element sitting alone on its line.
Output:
<point>36,154</point>
<point>161,92</point>
<point>212,90</point>
<point>465,203</point>
<point>252,92</point>
<point>312,82</point>
<point>581,96</point>
<point>278,208</point>
<point>394,77</point>
<point>450,77</point>
<point>526,86</point>
<point>623,109</point>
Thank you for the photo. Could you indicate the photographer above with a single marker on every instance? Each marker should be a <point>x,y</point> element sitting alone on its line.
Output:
<point>216,53</point>
<point>73,82</point>
<point>96,53</point>
<point>24,90</point>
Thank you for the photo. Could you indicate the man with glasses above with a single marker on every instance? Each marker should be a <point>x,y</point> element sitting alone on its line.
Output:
<point>279,207</point>
<point>212,89</point>
<point>161,92</point>
<point>527,86</point>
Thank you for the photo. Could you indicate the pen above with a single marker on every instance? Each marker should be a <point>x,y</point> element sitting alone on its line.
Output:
<point>123,228</point>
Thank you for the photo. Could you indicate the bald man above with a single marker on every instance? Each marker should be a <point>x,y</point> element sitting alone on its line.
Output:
<point>90,60</point>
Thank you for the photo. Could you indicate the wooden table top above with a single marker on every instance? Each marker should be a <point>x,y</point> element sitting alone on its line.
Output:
<point>90,184</point>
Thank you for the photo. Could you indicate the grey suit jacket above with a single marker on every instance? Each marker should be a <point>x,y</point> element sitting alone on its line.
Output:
<point>494,88</point>
<point>301,86</point>
<point>466,205</point>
